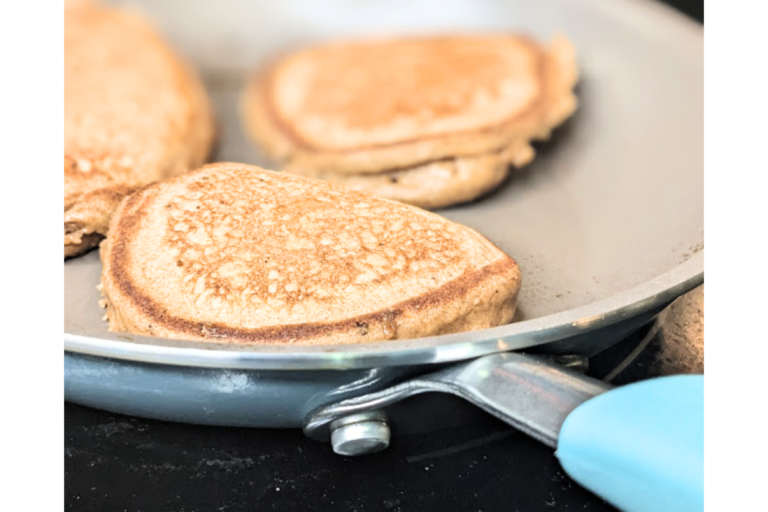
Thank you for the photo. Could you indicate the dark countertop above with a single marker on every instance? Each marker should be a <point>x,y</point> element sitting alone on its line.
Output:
<point>448,455</point>
<point>694,8</point>
<point>121,463</point>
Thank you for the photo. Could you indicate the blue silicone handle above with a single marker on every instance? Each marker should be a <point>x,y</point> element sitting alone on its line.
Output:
<point>640,446</point>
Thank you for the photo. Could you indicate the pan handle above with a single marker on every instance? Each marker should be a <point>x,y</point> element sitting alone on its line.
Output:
<point>528,392</point>
<point>638,446</point>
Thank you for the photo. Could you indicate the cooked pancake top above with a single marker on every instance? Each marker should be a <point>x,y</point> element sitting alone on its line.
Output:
<point>237,245</point>
<point>126,96</point>
<point>350,95</point>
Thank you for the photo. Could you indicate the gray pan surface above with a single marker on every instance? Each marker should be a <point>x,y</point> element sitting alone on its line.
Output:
<point>606,223</point>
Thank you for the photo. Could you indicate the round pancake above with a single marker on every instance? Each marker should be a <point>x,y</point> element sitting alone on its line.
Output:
<point>435,184</point>
<point>237,254</point>
<point>371,106</point>
<point>134,113</point>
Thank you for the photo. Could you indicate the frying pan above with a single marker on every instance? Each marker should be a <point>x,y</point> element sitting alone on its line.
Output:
<point>606,223</point>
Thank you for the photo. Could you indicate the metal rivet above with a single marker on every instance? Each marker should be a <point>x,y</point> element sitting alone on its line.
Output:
<point>360,434</point>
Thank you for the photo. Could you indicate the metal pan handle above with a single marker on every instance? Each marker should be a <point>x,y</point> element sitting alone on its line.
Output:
<point>638,446</point>
<point>528,392</point>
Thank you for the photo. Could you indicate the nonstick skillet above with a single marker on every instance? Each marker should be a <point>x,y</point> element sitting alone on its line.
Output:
<point>606,223</point>
<point>608,226</point>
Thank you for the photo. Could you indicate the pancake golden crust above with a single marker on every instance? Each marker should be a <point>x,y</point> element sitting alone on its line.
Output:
<point>133,114</point>
<point>370,107</point>
<point>233,253</point>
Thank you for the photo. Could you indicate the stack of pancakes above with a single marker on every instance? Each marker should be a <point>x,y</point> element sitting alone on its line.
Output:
<point>429,121</point>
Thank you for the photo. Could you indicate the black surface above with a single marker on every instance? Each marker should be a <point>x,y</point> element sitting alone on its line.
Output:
<point>446,455</point>
<point>121,463</point>
<point>693,8</point>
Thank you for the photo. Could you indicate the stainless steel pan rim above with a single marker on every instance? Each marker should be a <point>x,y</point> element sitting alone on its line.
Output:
<point>435,349</point>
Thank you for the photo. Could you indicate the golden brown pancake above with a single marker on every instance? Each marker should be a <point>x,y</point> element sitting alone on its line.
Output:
<point>237,254</point>
<point>372,107</point>
<point>133,113</point>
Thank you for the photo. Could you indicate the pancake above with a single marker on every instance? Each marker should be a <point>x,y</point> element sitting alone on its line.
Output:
<point>366,107</point>
<point>134,113</point>
<point>236,254</point>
